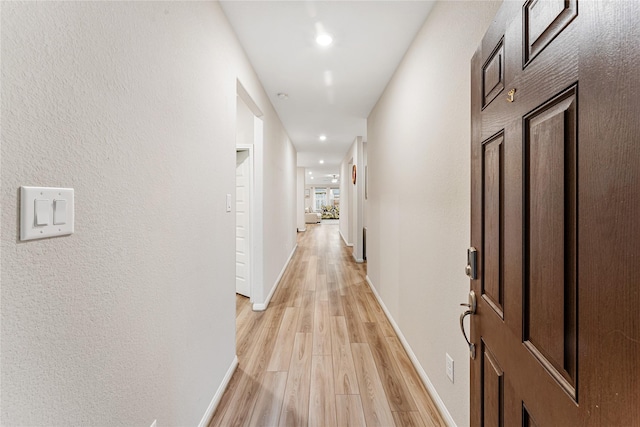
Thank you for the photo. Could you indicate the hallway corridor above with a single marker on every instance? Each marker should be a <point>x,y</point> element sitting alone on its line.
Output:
<point>323,353</point>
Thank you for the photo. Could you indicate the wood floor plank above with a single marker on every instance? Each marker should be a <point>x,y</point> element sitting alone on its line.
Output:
<point>408,419</point>
<point>366,313</point>
<point>345,378</point>
<point>322,290</point>
<point>312,272</point>
<point>307,311</point>
<point>349,411</point>
<point>400,399</point>
<point>322,263</point>
<point>322,402</point>
<point>379,314</point>
<point>226,400</point>
<point>241,304</point>
<point>374,403</point>
<point>247,331</point>
<point>266,411</point>
<point>244,399</point>
<point>295,407</point>
<point>259,357</point>
<point>321,329</point>
<point>281,356</point>
<point>352,317</point>
<point>274,314</point>
<point>343,281</point>
<point>332,276</point>
<point>424,402</point>
<point>335,303</point>
<point>294,292</point>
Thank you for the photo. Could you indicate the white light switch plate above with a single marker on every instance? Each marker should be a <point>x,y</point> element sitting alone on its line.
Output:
<point>46,196</point>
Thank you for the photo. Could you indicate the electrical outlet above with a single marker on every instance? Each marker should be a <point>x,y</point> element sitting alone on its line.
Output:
<point>449,367</point>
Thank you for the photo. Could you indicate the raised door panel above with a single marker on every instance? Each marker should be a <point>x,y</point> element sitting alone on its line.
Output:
<point>527,419</point>
<point>550,329</point>
<point>493,390</point>
<point>493,177</point>
<point>493,74</point>
<point>543,21</point>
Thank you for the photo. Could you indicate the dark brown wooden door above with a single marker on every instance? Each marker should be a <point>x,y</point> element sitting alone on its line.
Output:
<point>555,215</point>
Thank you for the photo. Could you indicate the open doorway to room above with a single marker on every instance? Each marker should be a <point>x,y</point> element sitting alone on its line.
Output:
<point>248,231</point>
<point>244,168</point>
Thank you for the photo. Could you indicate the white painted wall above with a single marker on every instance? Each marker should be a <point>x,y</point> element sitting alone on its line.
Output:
<point>346,196</point>
<point>279,183</point>
<point>352,203</point>
<point>418,205</point>
<point>133,104</point>
<point>300,200</point>
<point>244,123</point>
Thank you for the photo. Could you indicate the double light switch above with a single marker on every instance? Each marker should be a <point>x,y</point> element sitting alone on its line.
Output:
<point>45,212</point>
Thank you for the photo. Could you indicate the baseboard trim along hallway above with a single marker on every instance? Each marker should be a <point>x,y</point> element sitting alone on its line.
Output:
<point>263,306</point>
<point>345,240</point>
<point>414,360</point>
<point>206,419</point>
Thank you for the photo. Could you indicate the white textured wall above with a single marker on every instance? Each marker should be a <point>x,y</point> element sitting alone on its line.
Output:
<point>244,123</point>
<point>346,195</point>
<point>418,205</point>
<point>133,104</point>
<point>352,197</point>
<point>300,199</point>
<point>280,182</point>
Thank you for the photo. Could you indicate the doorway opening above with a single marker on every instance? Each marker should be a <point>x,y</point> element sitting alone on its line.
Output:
<point>248,201</point>
<point>244,180</point>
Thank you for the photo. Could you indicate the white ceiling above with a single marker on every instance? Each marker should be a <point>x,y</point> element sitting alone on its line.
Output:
<point>331,89</point>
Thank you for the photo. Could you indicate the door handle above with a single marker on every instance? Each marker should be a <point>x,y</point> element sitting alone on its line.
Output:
<point>472,305</point>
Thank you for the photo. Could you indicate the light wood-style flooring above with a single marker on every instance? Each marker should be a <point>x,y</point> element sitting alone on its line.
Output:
<point>323,353</point>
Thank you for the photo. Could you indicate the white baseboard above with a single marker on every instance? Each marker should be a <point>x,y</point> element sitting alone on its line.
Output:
<point>263,306</point>
<point>414,360</point>
<point>344,240</point>
<point>358,260</point>
<point>302,229</point>
<point>206,419</point>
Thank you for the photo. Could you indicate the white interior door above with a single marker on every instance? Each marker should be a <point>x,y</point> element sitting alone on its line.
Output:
<point>243,221</point>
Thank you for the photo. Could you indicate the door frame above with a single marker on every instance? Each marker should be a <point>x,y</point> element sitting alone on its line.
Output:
<point>249,148</point>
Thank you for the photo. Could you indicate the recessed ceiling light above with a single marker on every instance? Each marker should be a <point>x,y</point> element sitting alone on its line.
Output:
<point>283,95</point>
<point>324,39</point>
<point>321,161</point>
<point>310,172</point>
<point>323,137</point>
<point>311,177</point>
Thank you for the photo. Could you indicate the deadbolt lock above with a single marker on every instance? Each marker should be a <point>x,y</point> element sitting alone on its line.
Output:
<point>471,269</point>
